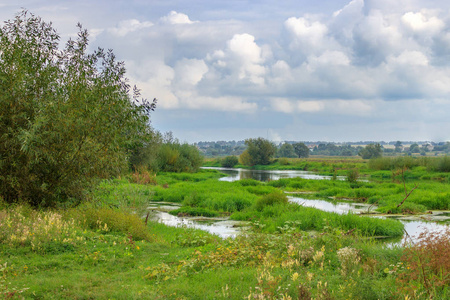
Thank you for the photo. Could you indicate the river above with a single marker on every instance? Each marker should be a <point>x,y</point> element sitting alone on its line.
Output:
<point>437,221</point>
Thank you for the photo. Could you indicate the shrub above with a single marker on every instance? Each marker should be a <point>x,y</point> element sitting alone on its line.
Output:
<point>175,157</point>
<point>352,176</point>
<point>229,161</point>
<point>67,117</point>
<point>284,161</point>
<point>142,176</point>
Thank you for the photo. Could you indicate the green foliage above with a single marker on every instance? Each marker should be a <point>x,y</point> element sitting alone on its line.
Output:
<point>229,161</point>
<point>175,157</point>
<point>66,116</point>
<point>194,211</point>
<point>371,151</point>
<point>184,263</point>
<point>245,158</point>
<point>286,150</point>
<point>352,176</point>
<point>274,198</point>
<point>111,220</point>
<point>260,151</point>
<point>301,150</point>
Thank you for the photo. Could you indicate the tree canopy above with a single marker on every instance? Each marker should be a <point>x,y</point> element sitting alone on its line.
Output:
<point>371,151</point>
<point>259,152</point>
<point>67,117</point>
<point>286,150</point>
<point>301,150</point>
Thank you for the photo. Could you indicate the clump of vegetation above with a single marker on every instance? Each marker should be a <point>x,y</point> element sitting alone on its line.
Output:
<point>352,176</point>
<point>142,175</point>
<point>22,226</point>
<point>111,220</point>
<point>371,151</point>
<point>193,212</point>
<point>274,198</point>
<point>229,161</point>
<point>172,156</point>
<point>426,266</point>
<point>66,116</point>
<point>259,152</point>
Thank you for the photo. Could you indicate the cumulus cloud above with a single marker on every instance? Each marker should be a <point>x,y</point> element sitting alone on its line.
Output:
<point>176,18</point>
<point>423,22</point>
<point>356,62</point>
<point>127,26</point>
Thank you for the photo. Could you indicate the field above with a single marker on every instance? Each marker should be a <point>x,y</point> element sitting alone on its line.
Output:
<point>105,249</point>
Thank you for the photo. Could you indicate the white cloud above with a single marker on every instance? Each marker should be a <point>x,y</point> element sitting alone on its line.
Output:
<point>176,18</point>
<point>245,55</point>
<point>189,72</point>
<point>336,106</point>
<point>330,58</point>
<point>423,22</point>
<point>127,26</point>
<point>306,35</point>
<point>409,58</point>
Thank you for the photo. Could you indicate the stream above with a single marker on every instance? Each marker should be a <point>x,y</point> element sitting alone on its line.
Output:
<point>436,221</point>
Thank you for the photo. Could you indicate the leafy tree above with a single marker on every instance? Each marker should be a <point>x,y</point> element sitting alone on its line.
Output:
<point>346,152</point>
<point>371,151</point>
<point>398,146</point>
<point>260,151</point>
<point>245,158</point>
<point>301,150</point>
<point>229,161</point>
<point>286,150</point>
<point>66,116</point>
<point>414,148</point>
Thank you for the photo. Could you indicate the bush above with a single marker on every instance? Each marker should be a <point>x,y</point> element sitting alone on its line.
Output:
<point>284,161</point>
<point>229,161</point>
<point>175,157</point>
<point>352,176</point>
<point>66,116</point>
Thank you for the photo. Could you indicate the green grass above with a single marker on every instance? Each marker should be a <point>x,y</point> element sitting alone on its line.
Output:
<point>104,250</point>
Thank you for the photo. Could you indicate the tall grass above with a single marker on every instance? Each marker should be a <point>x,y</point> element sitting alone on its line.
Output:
<point>433,164</point>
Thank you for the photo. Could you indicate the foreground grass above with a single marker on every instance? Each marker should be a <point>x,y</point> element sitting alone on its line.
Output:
<point>103,250</point>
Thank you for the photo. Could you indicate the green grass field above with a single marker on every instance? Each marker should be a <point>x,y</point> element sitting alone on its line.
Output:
<point>104,250</point>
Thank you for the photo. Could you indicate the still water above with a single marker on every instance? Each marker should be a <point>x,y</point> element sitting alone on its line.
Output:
<point>437,221</point>
<point>414,225</point>
<point>265,175</point>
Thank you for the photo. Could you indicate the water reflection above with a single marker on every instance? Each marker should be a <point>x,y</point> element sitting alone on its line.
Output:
<point>413,227</point>
<point>222,228</point>
<point>268,175</point>
<point>337,207</point>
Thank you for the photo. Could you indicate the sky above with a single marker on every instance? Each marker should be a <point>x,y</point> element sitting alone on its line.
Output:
<point>296,70</point>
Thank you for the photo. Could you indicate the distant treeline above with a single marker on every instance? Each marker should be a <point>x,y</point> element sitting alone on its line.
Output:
<point>226,148</point>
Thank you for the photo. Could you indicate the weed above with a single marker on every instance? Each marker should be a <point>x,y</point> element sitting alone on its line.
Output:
<point>427,265</point>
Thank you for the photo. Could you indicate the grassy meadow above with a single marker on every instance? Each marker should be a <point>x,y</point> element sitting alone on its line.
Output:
<point>105,249</point>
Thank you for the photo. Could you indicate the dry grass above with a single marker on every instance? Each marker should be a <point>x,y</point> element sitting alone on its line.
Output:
<point>427,265</point>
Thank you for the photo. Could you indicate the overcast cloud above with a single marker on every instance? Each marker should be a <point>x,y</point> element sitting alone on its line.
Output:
<point>287,70</point>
